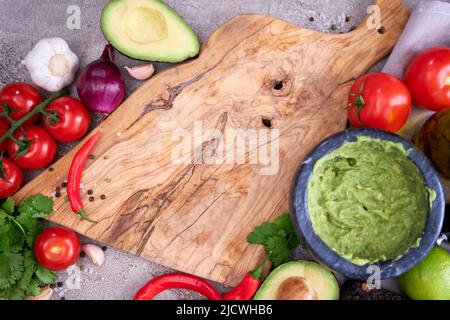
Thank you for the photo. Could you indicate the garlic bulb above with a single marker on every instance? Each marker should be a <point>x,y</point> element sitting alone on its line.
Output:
<point>52,64</point>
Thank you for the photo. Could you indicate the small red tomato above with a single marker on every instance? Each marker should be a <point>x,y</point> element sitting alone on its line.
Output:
<point>12,178</point>
<point>74,119</point>
<point>3,129</point>
<point>57,248</point>
<point>21,97</point>
<point>42,149</point>
<point>428,78</point>
<point>379,101</point>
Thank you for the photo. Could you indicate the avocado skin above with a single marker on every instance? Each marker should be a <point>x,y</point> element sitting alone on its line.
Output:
<point>356,290</point>
<point>330,291</point>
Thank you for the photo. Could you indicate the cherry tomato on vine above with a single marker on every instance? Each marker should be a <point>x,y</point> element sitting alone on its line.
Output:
<point>41,152</point>
<point>57,248</point>
<point>428,78</point>
<point>21,97</point>
<point>3,129</point>
<point>12,178</point>
<point>73,119</point>
<point>380,101</point>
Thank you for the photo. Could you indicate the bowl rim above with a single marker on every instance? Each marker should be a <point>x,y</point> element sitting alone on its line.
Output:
<point>323,253</point>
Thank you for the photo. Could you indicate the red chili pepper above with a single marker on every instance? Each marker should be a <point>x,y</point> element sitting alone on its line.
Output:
<point>74,178</point>
<point>248,286</point>
<point>177,281</point>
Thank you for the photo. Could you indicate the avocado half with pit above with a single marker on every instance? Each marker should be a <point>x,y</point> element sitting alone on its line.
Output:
<point>299,280</point>
<point>148,30</point>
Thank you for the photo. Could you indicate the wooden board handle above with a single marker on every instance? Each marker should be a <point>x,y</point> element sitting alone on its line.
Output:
<point>385,18</point>
<point>373,40</point>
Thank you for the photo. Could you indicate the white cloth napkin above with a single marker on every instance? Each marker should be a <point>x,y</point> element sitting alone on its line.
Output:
<point>428,26</point>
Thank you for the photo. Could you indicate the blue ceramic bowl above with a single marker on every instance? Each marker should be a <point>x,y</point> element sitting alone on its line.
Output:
<point>333,260</point>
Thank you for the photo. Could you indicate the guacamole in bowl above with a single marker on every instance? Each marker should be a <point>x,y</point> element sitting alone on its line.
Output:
<point>368,197</point>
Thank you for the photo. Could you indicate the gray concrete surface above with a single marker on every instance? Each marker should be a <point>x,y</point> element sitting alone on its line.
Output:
<point>23,22</point>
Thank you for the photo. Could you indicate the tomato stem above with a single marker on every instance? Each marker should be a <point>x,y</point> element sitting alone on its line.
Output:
<point>359,102</point>
<point>40,108</point>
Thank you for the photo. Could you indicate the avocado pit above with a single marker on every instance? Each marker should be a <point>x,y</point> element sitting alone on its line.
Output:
<point>296,288</point>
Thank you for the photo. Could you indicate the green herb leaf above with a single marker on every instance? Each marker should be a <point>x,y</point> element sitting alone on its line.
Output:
<point>11,269</point>
<point>38,206</point>
<point>11,238</point>
<point>278,239</point>
<point>277,250</point>
<point>32,232</point>
<point>284,223</point>
<point>13,293</point>
<point>33,288</point>
<point>20,274</point>
<point>8,205</point>
<point>262,232</point>
<point>30,267</point>
<point>45,276</point>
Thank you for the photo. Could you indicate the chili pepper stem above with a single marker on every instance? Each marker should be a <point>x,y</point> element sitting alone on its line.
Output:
<point>83,215</point>
<point>257,273</point>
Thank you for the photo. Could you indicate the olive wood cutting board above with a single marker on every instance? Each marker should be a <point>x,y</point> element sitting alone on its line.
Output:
<point>255,72</point>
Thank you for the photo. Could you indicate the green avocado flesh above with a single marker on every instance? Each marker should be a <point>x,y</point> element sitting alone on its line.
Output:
<point>148,30</point>
<point>299,280</point>
<point>368,201</point>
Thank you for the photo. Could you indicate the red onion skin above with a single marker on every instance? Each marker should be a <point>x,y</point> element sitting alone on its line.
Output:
<point>100,85</point>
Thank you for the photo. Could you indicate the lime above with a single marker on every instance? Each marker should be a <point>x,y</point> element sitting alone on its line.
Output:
<point>430,279</point>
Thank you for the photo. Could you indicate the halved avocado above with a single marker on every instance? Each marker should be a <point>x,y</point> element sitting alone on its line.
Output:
<point>299,280</point>
<point>148,30</point>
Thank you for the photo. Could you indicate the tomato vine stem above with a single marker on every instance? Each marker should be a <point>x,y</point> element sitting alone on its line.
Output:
<point>16,124</point>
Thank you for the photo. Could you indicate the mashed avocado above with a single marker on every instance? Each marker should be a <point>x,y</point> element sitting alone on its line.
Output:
<point>368,201</point>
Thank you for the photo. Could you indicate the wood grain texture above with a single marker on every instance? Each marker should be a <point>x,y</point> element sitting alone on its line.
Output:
<point>195,217</point>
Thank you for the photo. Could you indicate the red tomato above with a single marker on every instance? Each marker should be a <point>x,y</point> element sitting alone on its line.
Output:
<point>3,129</point>
<point>57,248</point>
<point>42,149</point>
<point>428,78</point>
<point>380,101</point>
<point>74,119</point>
<point>13,178</point>
<point>21,97</point>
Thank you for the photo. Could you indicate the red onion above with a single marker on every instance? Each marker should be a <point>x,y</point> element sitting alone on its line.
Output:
<point>100,85</point>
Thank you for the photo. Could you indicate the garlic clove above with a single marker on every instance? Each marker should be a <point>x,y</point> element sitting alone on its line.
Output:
<point>141,72</point>
<point>46,294</point>
<point>95,253</point>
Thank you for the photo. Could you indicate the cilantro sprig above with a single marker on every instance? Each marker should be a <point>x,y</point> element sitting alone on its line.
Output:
<point>277,237</point>
<point>20,275</point>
